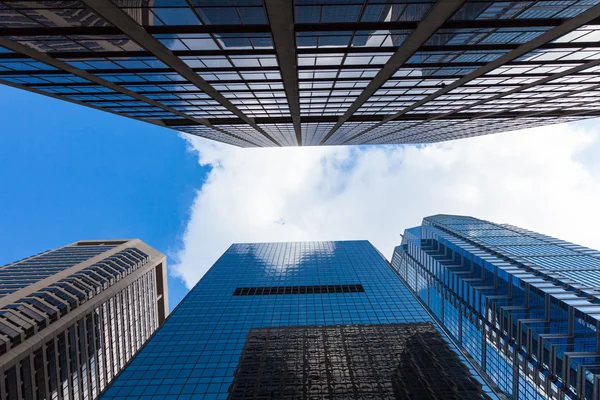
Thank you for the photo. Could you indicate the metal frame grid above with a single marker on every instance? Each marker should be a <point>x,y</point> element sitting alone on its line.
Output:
<point>500,277</point>
<point>312,72</point>
<point>286,320</point>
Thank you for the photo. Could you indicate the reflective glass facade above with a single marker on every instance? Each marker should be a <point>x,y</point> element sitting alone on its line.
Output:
<point>318,320</point>
<point>524,306</point>
<point>71,318</point>
<point>312,72</point>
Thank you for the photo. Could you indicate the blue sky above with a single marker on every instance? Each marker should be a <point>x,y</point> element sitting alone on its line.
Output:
<point>69,172</point>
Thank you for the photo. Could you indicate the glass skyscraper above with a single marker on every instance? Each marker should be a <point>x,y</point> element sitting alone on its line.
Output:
<point>257,73</point>
<point>71,318</point>
<point>525,307</point>
<point>309,320</point>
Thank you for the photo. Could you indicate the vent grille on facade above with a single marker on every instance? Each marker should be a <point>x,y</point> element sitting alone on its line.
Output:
<point>323,289</point>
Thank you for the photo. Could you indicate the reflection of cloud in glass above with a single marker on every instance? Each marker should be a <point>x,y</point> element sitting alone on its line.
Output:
<point>175,16</point>
<point>187,41</point>
<point>216,41</point>
<point>289,262</point>
<point>381,38</point>
<point>233,15</point>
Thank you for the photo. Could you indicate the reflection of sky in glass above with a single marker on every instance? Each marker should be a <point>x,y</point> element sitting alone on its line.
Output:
<point>289,258</point>
<point>177,12</point>
<point>217,41</point>
<point>203,338</point>
<point>333,76</point>
<point>468,271</point>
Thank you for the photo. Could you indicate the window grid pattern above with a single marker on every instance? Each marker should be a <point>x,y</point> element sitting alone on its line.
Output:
<point>210,133</point>
<point>348,130</point>
<point>314,133</point>
<point>499,277</point>
<point>23,273</point>
<point>282,133</point>
<point>196,352</point>
<point>340,49</point>
<point>81,360</point>
<point>247,133</point>
<point>436,131</point>
<point>114,304</point>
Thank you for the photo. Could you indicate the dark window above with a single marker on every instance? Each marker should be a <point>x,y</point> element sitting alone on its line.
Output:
<point>323,289</point>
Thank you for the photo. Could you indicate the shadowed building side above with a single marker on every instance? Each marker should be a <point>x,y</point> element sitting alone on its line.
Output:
<point>299,321</point>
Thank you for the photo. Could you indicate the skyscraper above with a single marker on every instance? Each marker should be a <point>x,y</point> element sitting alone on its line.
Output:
<point>312,72</point>
<point>71,318</point>
<point>524,306</point>
<point>318,320</point>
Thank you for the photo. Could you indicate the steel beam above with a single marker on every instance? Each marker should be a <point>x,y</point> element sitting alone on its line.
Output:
<point>546,100</point>
<point>115,30</point>
<point>281,20</point>
<point>518,89</point>
<point>302,27</point>
<point>42,57</point>
<point>320,99</point>
<point>310,80</point>
<point>541,82</point>
<point>126,54</point>
<point>81,103</point>
<point>117,17</point>
<point>275,120</point>
<point>440,13</point>
<point>158,122</point>
<point>451,24</point>
<point>358,118</point>
<point>568,26</point>
<point>300,68</point>
<point>332,96</point>
<point>553,112</point>
<point>84,55</point>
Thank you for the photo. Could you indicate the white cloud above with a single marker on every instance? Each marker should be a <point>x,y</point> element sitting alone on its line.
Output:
<point>545,179</point>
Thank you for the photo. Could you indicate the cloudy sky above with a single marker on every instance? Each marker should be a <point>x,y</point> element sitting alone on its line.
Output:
<point>544,179</point>
<point>71,173</point>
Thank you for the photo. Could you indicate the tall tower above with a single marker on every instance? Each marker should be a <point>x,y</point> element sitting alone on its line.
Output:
<point>270,73</point>
<point>524,306</point>
<point>71,318</point>
<point>298,321</point>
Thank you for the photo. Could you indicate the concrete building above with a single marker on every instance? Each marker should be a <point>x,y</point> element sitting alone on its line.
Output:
<point>71,318</point>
